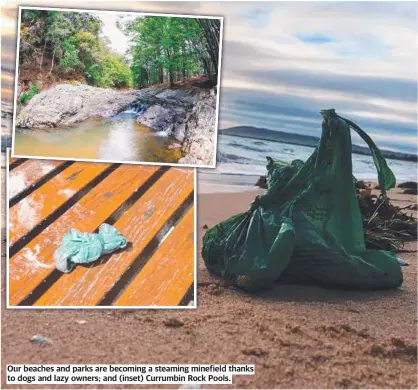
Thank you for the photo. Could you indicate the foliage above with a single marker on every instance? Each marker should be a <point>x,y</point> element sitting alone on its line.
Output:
<point>109,72</point>
<point>70,59</point>
<point>171,49</point>
<point>165,49</point>
<point>26,96</point>
<point>72,41</point>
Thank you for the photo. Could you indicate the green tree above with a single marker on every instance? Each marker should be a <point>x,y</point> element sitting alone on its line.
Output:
<point>70,59</point>
<point>72,41</point>
<point>172,48</point>
<point>57,30</point>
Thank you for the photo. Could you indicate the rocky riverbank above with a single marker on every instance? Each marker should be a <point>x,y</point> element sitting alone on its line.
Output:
<point>186,114</point>
<point>66,104</point>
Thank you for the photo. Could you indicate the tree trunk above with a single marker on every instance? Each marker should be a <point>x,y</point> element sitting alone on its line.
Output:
<point>42,57</point>
<point>206,66</point>
<point>211,33</point>
<point>170,68</point>
<point>183,52</point>
<point>146,83</point>
<point>52,64</point>
<point>160,74</point>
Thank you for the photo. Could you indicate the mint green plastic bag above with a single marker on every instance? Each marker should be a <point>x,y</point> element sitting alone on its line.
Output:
<point>81,248</point>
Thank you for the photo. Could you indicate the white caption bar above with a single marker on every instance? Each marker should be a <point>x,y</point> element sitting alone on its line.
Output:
<point>116,374</point>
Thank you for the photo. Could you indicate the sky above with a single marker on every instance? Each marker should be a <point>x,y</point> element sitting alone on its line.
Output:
<point>283,62</point>
<point>119,41</point>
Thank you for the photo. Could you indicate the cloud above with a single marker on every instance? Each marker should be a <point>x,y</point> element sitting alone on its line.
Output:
<point>315,38</point>
<point>301,115</point>
<point>385,88</point>
<point>283,62</point>
<point>280,78</point>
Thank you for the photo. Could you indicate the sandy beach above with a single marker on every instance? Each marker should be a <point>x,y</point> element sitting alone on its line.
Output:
<point>298,337</point>
<point>241,85</point>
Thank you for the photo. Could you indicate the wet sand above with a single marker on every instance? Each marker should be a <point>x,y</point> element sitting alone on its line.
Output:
<point>298,337</point>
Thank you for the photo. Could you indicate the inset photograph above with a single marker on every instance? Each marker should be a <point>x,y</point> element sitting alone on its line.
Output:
<point>96,234</point>
<point>117,87</point>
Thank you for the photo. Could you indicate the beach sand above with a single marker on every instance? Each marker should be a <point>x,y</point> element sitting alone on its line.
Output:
<point>298,337</point>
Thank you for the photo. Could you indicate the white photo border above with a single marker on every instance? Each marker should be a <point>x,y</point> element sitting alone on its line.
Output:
<point>218,88</point>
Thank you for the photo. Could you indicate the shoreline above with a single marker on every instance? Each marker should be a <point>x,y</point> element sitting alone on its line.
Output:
<point>205,188</point>
<point>298,336</point>
<point>410,157</point>
<point>237,183</point>
<point>220,182</point>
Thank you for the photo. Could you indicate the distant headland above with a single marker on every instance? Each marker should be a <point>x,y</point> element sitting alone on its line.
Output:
<point>304,140</point>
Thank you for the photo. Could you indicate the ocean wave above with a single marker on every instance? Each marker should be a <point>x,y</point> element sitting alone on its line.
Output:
<point>241,157</point>
<point>246,147</point>
<point>228,157</point>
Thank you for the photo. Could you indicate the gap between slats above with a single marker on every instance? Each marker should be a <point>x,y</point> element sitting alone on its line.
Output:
<point>87,284</point>
<point>38,182</point>
<point>54,196</point>
<point>16,162</point>
<point>146,254</point>
<point>55,275</point>
<point>22,241</point>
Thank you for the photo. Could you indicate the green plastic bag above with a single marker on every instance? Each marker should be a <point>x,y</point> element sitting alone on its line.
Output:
<point>81,248</point>
<point>307,227</point>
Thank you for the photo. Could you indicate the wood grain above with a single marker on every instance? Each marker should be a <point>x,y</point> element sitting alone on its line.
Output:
<point>86,286</point>
<point>169,273</point>
<point>35,207</point>
<point>31,265</point>
<point>29,173</point>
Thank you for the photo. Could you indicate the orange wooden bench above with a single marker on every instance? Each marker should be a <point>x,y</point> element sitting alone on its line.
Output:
<point>153,207</point>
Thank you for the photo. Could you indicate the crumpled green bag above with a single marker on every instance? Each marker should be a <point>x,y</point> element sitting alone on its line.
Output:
<point>80,248</point>
<point>307,227</point>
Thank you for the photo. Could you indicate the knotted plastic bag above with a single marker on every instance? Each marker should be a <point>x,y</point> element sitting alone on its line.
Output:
<point>81,248</point>
<point>307,227</point>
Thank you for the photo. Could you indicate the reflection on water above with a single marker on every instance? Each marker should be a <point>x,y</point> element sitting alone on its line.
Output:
<point>119,138</point>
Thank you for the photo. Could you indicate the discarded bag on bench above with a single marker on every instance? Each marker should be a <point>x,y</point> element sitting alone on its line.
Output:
<point>307,227</point>
<point>81,248</point>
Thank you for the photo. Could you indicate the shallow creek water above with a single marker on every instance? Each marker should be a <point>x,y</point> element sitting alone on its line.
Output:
<point>119,138</point>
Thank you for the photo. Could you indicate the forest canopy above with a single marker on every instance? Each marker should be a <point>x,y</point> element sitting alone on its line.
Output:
<point>162,49</point>
<point>72,42</point>
<point>169,49</point>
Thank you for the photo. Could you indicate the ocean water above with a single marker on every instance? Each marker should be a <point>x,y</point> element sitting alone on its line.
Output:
<point>246,156</point>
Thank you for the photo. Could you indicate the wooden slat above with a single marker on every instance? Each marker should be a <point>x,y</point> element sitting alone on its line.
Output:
<point>31,265</point>
<point>34,208</point>
<point>27,174</point>
<point>86,286</point>
<point>169,273</point>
